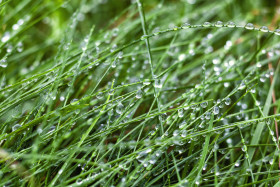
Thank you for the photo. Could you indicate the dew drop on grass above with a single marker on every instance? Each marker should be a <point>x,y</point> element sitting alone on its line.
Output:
<point>144,37</point>
<point>237,164</point>
<point>242,86</point>
<point>180,113</point>
<point>158,83</point>
<point>99,95</point>
<point>15,127</point>
<point>204,104</point>
<point>218,24</point>
<point>264,29</point>
<point>216,110</point>
<point>249,26</point>
<point>114,64</point>
<point>186,25</point>
<point>146,82</point>
<point>79,181</point>
<point>139,94</point>
<point>183,133</point>
<point>120,108</point>
<point>207,24</point>
<point>176,133</point>
<point>227,101</point>
<point>6,37</point>
<point>3,63</point>
<point>277,32</point>
<point>244,148</point>
<point>231,24</point>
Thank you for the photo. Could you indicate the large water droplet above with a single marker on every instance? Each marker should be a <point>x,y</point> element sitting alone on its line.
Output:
<point>231,24</point>
<point>158,83</point>
<point>6,37</point>
<point>139,94</point>
<point>264,29</point>
<point>216,110</point>
<point>120,108</point>
<point>186,25</point>
<point>277,32</point>
<point>249,26</point>
<point>16,126</point>
<point>207,24</point>
<point>218,24</point>
<point>180,113</point>
<point>204,104</point>
<point>227,101</point>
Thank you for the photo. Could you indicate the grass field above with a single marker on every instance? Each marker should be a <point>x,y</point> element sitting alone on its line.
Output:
<point>139,93</point>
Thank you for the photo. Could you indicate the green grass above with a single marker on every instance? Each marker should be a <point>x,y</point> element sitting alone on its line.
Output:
<point>139,93</point>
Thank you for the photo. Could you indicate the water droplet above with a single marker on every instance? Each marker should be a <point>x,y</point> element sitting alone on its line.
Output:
<point>216,110</point>
<point>264,29</point>
<point>144,37</point>
<point>60,171</point>
<point>182,57</point>
<point>277,32</point>
<point>139,94</point>
<point>99,95</point>
<point>16,126</point>
<point>114,64</point>
<point>242,86</point>
<point>249,26</point>
<point>227,101</point>
<point>204,104</point>
<point>207,24</point>
<point>183,133</point>
<point>176,133</point>
<point>244,148</point>
<point>158,83</point>
<point>237,164</point>
<point>3,63</point>
<point>231,24</point>
<point>79,181</point>
<point>186,25</point>
<point>218,24</point>
<point>216,147</point>
<point>146,82</point>
<point>6,37</point>
<point>120,108</point>
<point>180,113</point>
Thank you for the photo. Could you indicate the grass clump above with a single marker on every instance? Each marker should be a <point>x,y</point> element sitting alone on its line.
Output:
<point>140,93</point>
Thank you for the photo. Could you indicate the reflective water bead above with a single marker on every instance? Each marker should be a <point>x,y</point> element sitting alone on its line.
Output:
<point>16,126</point>
<point>207,24</point>
<point>186,25</point>
<point>6,37</point>
<point>180,113</point>
<point>158,83</point>
<point>204,104</point>
<point>264,29</point>
<point>3,63</point>
<point>176,133</point>
<point>139,94</point>
<point>216,110</point>
<point>227,101</point>
<point>231,24</point>
<point>146,82</point>
<point>120,108</point>
<point>114,64</point>
<point>249,26</point>
<point>218,24</point>
<point>277,32</point>
<point>242,86</point>
<point>183,133</point>
<point>144,37</point>
<point>79,181</point>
